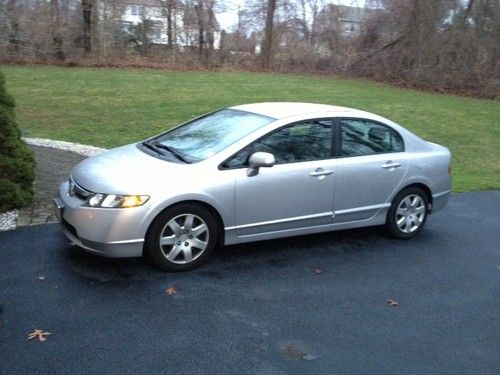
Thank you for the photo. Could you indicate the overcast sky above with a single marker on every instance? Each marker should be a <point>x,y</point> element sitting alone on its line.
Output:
<point>229,18</point>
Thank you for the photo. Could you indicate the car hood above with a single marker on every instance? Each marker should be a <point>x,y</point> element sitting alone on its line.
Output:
<point>125,170</point>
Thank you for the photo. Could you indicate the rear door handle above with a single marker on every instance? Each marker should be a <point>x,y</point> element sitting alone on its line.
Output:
<point>320,172</point>
<point>390,165</point>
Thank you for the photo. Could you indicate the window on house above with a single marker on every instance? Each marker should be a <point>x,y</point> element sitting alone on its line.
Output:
<point>136,10</point>
<point>156,33</point>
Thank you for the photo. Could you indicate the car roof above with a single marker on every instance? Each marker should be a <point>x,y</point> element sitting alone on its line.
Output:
<point>281,110</point>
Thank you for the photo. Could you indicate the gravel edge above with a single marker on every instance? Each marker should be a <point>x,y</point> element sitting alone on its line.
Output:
<point>63,145</point>
<point>8,219</point>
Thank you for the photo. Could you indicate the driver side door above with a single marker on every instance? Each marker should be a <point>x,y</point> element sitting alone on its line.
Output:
<point>297,192</point>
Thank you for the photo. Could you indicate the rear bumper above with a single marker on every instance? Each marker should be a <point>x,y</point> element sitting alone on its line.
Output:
<point>440,200</point>
<point>113,233</point>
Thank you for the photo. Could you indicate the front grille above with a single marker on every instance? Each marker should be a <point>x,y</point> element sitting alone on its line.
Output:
<point>75,189</point>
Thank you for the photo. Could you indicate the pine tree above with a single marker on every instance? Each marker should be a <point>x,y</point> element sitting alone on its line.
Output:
<point>17,165</point>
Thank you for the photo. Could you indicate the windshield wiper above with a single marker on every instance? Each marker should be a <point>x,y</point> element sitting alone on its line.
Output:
<point>173,151</point>
<point>151,147</point>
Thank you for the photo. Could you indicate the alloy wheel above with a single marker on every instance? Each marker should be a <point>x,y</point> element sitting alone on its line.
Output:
<point>410,213</point>
<point>184,238</point>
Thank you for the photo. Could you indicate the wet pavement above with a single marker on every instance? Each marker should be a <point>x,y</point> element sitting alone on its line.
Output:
<point>307,305</point>
<point>53,167</point>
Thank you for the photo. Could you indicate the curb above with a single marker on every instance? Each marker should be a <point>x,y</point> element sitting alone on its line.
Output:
<point>8,219</point>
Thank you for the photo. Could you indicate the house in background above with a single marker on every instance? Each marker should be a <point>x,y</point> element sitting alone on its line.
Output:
<point>337,26</point>
<point>184,28</point>
<point>346,21</point>
<point>175,23</point>
<point>136,12</point>
<point>351,20</point>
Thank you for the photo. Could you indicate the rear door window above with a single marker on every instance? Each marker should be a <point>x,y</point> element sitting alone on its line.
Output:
<point>363,137</point>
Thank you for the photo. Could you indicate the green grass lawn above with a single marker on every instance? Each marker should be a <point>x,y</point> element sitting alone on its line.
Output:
<point>112,107</point>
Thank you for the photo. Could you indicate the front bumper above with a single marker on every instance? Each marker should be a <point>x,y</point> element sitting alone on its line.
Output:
<point>111,232</point>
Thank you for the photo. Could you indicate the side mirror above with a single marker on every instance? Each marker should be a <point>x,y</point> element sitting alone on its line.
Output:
<point>258,160</point>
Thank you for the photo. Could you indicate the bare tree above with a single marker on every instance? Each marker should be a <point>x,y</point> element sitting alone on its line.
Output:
<point>87,9</point>
<point>445,45</point>
<point>170,22</point>
<point>201,27</point>
<point>206,24</point>
<point>12,14</point>
<point>210,26</point>
<point>448,45</point>
<point>268,34</point>
<point>314,8</point>
<point>57,39</point>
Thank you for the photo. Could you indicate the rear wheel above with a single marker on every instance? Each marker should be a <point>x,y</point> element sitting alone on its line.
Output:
<point>408,213</point>
<point>181,238</point>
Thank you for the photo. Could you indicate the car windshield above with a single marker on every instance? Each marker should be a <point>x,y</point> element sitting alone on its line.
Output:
<point>205,136</point>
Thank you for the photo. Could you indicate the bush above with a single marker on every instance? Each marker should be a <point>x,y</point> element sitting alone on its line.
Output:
<point>17,165</point>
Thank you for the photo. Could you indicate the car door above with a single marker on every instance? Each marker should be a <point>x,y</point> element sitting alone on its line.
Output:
<point>370,167</point>
<point>297,192</point>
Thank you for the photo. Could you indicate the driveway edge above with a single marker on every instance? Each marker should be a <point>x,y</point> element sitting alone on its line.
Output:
<point>8,220</point>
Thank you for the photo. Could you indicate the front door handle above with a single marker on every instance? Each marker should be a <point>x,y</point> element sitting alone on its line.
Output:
<point>320,172</point>
<point>391,165</point>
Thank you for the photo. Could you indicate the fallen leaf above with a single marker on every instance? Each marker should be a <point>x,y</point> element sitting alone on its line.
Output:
<point>297,353</point>
<point>40,334</point>
<point>294,352</point>
<point>317,270</point>
<point>392,302</point>
<point>310,357</point>
<point>171,290</point>
<point>41,277</point>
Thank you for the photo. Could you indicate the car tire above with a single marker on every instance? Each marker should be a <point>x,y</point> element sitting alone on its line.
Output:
<point>408,213</point>
<point>181,237</point>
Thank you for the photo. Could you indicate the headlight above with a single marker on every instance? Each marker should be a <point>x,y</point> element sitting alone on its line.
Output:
<point>116,201</point>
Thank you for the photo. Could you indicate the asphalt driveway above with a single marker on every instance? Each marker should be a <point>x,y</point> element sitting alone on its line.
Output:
<point>307,305</point>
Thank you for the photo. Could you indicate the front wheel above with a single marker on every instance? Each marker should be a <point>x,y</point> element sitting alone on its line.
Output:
<point>408,213</point>
<point>181,238</point>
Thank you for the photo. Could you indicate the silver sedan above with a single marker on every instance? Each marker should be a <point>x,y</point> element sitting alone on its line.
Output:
<point>253,172</point>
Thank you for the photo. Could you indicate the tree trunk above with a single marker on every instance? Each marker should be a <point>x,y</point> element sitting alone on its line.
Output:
<point>304,20</point>
<point>494,64</point>
<point>170,8</point>
<point>87,7</point>
<point>201,28</point>
<point>144,35</point>
<point>210,29</point>
<point>57,40</point>
<point>96,28</point>
<point>12,10</point>
<point>268,37</point>
<point>467,12</point>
